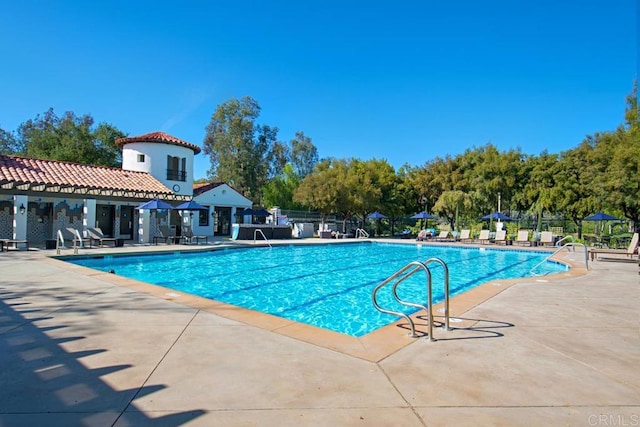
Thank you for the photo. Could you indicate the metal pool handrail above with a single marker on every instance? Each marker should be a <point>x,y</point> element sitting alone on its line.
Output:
<point>403,274</point>
<point>566,245</point>
<point>361,234</point>
<point>568,236</point>
<point>255,233</point>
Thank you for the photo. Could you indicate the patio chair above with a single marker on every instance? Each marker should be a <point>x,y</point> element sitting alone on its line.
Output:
<point>96,235</point>
<point>190,237</point>
<point>443,236</point>
<point>170,236</point>
<point>76,238</point>
<point>629,252</point>
<point>483,237</point>
<point>501,237</point>
<point>523,238</point>
<point>465,236</point>
<point>546,238</point>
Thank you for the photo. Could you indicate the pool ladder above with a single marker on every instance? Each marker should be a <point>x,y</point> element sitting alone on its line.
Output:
<point>403,274</point>
<point>568,245</point>
<point>255,237</point>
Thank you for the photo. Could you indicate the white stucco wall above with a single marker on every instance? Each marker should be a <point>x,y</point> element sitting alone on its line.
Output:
<point>221,196</point>
<point>155,163</point>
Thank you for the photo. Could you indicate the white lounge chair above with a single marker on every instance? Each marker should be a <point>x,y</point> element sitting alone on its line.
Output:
<point>546,238</point>
<point>523,238</point>
<point>501,237</point>
<point>629,252</point>
<point>443,236</point>
<point>484,236</point>
<point>465,236</point>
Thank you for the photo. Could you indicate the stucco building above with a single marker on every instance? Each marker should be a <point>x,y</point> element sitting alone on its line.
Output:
<point>40,197</point>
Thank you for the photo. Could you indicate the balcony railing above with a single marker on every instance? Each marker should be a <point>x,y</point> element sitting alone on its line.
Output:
<point>176,175</point>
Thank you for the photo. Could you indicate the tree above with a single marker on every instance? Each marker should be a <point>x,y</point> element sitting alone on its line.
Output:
<point>573,193</point>
<point>450,204</point>
<point>70,138</point>
<point>242,153</point>
<point>279,190</point>
<point>8,143</point>
<point>304,155</point>
<point>537,193</point>
<point>618,157</point>
<point>319,190</point>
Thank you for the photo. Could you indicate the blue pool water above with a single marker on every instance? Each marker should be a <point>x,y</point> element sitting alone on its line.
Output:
<point>328,286</point>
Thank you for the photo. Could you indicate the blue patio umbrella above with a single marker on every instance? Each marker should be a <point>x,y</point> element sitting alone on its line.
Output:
<point>262,212</point>
<point>376,215</point>
<point>154,204</point>
<point>191,206</point>
<point>498,216</point>
<point>247,211</point>
<point>601,216</point>
<point>424,215</point>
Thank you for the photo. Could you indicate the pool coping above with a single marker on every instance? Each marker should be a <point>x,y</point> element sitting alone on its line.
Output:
<point>374,346</point>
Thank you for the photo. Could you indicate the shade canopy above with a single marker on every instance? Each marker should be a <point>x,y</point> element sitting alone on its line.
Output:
<point>247,211</point>
<point>253,212</point>
<point>498,216</point>
<point>424,215</point>
<point>601,216</point>
<point>261,212</point>
<point>191,206</point>
<point>154,205</point>
<point>376,215</point>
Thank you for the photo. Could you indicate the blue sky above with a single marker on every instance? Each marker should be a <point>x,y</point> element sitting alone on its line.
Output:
<point>401,81</point>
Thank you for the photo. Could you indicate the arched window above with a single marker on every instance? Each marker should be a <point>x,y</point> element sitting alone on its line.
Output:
<point>176,168</point>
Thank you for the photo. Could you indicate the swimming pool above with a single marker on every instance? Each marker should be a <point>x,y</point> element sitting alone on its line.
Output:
<point>326,285</point>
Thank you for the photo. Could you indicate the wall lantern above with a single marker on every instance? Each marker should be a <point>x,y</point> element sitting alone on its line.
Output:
<point>22,209</point>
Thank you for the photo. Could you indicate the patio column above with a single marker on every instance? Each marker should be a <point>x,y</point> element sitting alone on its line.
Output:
<point>20,214</point>
<point>144,226</point>
<point>88,215</point>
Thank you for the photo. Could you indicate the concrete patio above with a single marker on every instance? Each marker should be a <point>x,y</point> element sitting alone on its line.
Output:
<point>80,349</point>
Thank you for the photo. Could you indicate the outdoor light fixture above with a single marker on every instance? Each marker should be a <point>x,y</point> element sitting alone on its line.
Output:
<point>22,209</point>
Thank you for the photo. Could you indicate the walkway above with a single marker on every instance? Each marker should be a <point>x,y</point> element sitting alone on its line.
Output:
<point>77,349</point>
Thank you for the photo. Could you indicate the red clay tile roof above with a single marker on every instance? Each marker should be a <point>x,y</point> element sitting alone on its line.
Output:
<point>204,187</point>
<point>156,137</point>
<point>49,175</point>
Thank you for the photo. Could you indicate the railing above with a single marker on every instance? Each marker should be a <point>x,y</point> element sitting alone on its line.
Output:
<point>403,274</point>
<point>361,234</point>
<point>255,234</point>
<point>176,175</point>
<point>559,242</point>
<point>571,245</point>
<point>60,243</point>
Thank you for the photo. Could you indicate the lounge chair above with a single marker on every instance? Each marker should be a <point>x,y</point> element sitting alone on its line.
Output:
<point>15,243</point>
<point>629,252</point>
<point>96,235</point>
<point>76,237</point>
<point>484,236</point>
<point>190,238</point>
<point>523,238</point>
<point>465,236</point>
<point>443,236</point>
<point>171,236</point>
<point>546,238</point>
<point>501,237</point>
<point>423,235</point>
